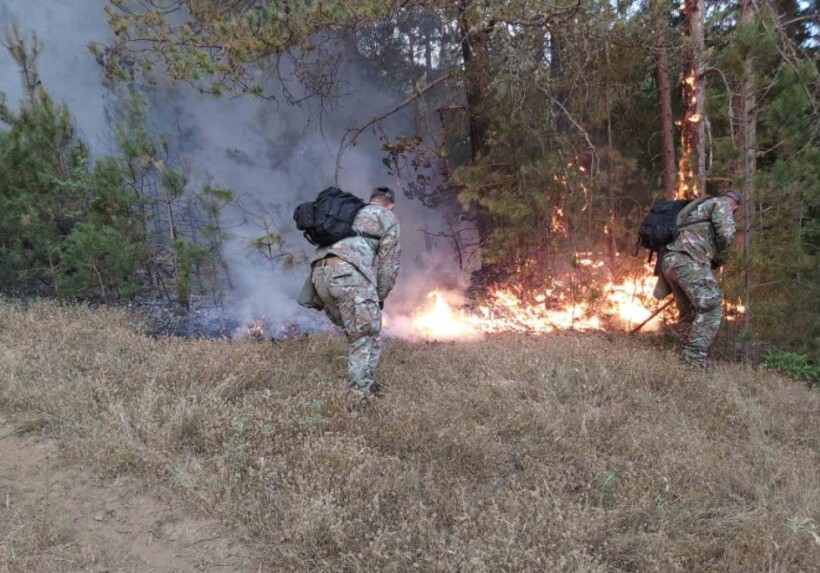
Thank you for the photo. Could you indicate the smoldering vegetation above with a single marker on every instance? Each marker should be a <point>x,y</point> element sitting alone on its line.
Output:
<point>262,158</point>
<point>567,452</point>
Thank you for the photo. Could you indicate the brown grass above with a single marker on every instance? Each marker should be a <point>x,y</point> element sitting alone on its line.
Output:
<point>34,536</point>
<point>29,542</point>
<point>32,539</point>
<point>571,452</point>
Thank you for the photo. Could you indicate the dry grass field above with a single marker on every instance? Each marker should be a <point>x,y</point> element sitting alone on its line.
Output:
<point>564,453</point>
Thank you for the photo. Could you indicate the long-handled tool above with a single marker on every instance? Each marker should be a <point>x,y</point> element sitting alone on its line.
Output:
<point>651,316</point>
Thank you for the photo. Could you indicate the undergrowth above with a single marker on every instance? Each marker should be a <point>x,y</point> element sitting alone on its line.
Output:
<point>794,365</point>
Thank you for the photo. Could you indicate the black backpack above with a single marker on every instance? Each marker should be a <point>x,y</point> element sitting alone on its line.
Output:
<point>329,218</point>
<point>660,227</point>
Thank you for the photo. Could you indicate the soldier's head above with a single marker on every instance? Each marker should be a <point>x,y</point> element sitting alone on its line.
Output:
<point>732,196</point>
<point>383,196</point>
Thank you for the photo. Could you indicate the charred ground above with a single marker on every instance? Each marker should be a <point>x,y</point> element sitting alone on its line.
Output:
<point>566,452</point>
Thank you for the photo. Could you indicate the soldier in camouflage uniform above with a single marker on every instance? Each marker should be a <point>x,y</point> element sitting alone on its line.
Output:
<point>353,277</point>
<point>703,243</point>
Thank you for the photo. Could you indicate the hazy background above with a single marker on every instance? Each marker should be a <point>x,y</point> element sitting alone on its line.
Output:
<point>273,155</point>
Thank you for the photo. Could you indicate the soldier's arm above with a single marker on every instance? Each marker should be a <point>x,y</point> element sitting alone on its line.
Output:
<point>724,223</point>
<point>389,256</point>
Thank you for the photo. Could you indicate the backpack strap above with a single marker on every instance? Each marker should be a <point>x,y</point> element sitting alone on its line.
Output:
<point>309,239</point>
<point>367,235</point>
<point>687,210</point>
<point>693,223</point>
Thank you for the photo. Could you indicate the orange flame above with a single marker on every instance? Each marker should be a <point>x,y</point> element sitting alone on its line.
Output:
<point>507,311</point>
<point>687,184</point>
<point>540,311</point>
<point>558,224</point>
<point>441,320</point>
<point>257,330</point>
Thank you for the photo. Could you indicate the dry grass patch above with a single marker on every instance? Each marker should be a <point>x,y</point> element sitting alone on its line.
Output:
<point>571,452</point>
<point>34,538</point>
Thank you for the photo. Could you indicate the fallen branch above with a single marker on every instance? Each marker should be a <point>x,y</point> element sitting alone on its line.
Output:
<point>651,316</point>
<point>202,541</point>
<point>348,143</point>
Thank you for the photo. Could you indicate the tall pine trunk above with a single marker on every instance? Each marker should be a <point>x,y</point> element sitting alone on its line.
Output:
<point>476,79</point>
<point>661,56</point>
<point>748,149</point>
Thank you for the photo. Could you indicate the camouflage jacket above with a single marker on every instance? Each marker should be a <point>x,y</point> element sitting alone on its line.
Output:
<point>378,260</point>
<point>709,240</point>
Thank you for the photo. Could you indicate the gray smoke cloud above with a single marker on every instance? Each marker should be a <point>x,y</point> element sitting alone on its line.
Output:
<point>272,155</point>
<point>66,68</point>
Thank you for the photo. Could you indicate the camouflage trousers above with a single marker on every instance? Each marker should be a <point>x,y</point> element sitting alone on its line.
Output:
<point>351,303</point>
<point>697,296</point>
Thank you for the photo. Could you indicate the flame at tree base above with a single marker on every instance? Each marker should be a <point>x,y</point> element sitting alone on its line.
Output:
<point>621,306</point>
<point>541,311</point>
<point>440,320</point>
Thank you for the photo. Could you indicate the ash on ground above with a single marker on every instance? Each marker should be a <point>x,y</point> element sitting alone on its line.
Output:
<point>204,319</point>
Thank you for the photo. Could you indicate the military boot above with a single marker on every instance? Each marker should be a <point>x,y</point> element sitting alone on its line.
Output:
<point>693,362</point>
<point>360,398</point>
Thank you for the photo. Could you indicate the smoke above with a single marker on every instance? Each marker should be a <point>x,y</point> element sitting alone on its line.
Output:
<point>273,155</point>
<point>66,67</point>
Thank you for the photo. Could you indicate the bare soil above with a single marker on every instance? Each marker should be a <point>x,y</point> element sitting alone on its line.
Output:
<point>57,516</point>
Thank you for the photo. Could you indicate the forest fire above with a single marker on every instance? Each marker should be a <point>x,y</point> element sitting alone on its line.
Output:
<point>607,304</point>
<point>618,305</point>
<point>690,128</point>
<point>262,329</point>
<point>255,331</point>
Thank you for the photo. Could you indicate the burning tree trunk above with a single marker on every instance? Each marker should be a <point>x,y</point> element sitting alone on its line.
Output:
<point>692,163</point>
<point>660,37</point>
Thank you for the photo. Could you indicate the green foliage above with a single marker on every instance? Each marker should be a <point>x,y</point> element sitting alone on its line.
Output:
<point>94,260</point>
<point>794,365</point>
<point>41,184</point>
<point>175,217</point>
<point>781,267</point>
<point>219,49</point>
<point>84,229</point>
<point>546,204</point>
<point>189,256</point>
<point>65,223</point>
<point>173,183</point>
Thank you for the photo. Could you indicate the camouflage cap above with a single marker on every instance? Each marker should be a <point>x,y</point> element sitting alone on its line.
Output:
<point>385,192</point>
<point>732,194</point>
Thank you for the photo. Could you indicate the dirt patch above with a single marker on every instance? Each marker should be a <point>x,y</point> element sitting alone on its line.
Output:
<point>57,516</point>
